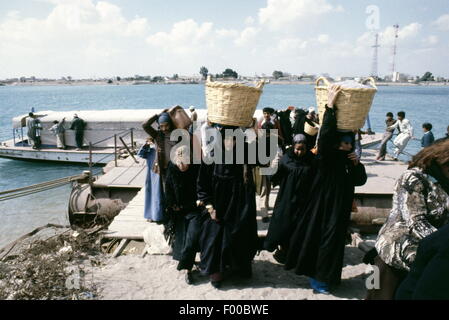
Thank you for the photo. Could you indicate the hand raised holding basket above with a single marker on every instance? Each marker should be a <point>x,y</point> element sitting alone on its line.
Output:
<point>332,95</point>
<point>353,100</point>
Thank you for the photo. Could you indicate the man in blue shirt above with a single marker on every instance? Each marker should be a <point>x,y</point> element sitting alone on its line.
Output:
<point>428,138</point>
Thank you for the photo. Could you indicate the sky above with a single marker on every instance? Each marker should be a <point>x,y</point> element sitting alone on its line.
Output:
<point>93,39</point>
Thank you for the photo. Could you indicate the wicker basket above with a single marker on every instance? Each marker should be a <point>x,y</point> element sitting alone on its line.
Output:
<point>311,131</point>
<point>232,104</point>
<point>353,104</point>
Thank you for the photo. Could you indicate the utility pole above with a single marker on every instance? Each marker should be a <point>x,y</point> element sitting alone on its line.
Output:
<point>393,65</point>
<point>374,72</point>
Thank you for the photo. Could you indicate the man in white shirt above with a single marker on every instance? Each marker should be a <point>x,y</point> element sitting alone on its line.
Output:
<point>406,133</point>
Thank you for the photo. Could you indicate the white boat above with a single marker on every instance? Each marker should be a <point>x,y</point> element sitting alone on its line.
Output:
<point>103,131</point>
<point>102,126</point>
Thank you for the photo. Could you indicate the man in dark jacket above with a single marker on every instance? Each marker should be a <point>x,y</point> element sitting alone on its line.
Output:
<point>78,125</point>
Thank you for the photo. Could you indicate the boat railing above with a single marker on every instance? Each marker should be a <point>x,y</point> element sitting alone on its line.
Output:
<point>116,137</point>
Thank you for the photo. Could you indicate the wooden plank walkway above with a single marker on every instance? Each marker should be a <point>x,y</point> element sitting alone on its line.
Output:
<point>130,223</point>
<point>123,177</point>
<point>127,174</point>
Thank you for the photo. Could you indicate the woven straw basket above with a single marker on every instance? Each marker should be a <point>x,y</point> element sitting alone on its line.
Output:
<point>232,104</point>
<point>352,104</point>
<point>311,131</point>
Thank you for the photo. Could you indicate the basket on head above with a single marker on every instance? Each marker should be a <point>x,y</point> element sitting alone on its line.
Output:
<point>232,104</point>
<point>352,104</point>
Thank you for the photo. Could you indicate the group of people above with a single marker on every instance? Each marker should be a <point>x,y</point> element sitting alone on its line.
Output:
<point>210,207</point>
<point>405,134</point>
<point>34,126</point>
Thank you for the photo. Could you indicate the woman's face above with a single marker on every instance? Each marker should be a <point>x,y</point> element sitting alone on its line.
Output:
<point>345,146</point>
<point>165,127</point>
<point>299,149</point>
<point>183,167</point>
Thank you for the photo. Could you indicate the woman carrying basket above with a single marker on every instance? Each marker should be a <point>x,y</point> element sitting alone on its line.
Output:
<point>228,240</point>
<point>317,245</point>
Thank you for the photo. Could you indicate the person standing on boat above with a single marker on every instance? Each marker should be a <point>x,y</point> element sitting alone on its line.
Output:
<point>317,245</point>
<point>154,197</point>
<point>428,138</point>
<point>78,125</point>
<point>37,125</point>
<point>59,130</point>
<point>389,121</point>
<point>420,207</point>
<point>406,133</point>
<point>31,131</point>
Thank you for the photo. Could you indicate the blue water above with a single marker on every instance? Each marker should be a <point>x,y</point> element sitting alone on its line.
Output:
<point>18,216</point>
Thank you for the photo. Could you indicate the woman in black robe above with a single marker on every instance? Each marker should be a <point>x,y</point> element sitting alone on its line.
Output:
<point>318,242</point>
<point>229,238</point>
<point>294,176</point>
<point>184,225</point>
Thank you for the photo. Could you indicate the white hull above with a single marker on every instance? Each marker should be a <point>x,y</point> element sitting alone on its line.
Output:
<point>103,156</point>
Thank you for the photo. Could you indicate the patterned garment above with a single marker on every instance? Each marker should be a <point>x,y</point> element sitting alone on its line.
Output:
<point>420,207</point>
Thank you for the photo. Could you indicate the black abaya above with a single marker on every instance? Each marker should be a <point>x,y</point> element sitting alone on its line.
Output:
<point>181,192</point>
<point>294,176</point>
<point>317,245</point>
<point>232,241</point>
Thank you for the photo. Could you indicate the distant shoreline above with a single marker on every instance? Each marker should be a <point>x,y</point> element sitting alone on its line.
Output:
<point>130,83</point>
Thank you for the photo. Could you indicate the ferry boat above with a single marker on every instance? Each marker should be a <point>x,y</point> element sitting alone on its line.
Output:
<point>105,130</point>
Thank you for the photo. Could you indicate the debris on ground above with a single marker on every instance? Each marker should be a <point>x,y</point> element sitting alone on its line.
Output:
<point>51,264</point>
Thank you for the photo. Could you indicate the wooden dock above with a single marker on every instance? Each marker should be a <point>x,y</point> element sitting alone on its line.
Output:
<point>127,174</point>
<point>130,223</point>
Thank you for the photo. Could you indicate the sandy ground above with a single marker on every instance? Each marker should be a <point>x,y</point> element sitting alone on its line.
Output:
<point>155,277</point>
